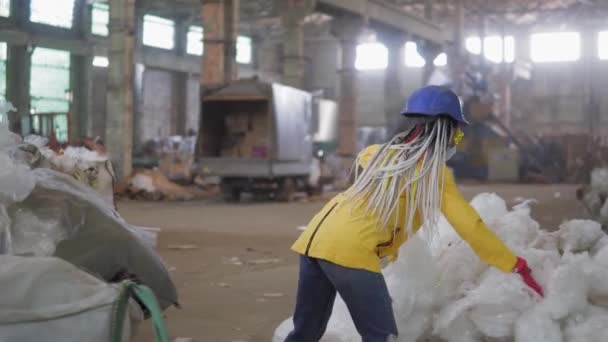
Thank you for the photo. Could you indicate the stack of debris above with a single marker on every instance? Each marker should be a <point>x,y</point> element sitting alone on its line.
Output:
<point>153,185</point>
<point>177,158</point>
<point>441,291</point>
<point>173,156</point>
<point>88,166</point>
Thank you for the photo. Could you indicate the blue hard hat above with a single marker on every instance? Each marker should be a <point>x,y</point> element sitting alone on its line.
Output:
<point>435,101</point>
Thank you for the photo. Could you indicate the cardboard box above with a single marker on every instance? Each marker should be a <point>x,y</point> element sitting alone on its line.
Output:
<point>247,136</point>
<point>237,122</point>
<point>176,167</point>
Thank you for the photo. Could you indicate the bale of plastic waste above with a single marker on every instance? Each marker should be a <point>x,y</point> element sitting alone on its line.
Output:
<point>579,235</point>
<point>489,206</point>
<point>537,326</point>
<point>590,326</point>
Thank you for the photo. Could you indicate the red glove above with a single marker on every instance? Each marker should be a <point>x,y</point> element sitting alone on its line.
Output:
<point>521,267</point>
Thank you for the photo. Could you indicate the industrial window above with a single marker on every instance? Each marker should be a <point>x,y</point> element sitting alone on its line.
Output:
<point>56,13</point>
<point>243,50</point>
<point>555,47</point>
<point>602,44</point>
<point>50,92</point>
<point>159,32</point>
<point>371,56</point>
<point>195,41</point>
<point>100,19</point>
<point>3,58</point>
<point>412,57</point>
<point>5,8</point>
<point>441,59</point>
<point>101,62</point>
<point>496,49</point>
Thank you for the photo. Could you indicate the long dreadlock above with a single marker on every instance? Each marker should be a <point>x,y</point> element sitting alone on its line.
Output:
<point>410,165</point>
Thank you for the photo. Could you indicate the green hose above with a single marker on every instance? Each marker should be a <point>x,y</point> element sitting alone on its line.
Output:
<point>145,297</point>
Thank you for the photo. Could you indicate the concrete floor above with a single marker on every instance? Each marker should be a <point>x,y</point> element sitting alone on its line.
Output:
<point>239,282</point>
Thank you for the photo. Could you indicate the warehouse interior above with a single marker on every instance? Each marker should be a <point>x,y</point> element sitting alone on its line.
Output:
<point>219,128</point>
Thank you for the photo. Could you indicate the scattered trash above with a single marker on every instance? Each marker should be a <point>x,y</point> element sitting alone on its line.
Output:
<point>182,247</point>
<point>235,261</point>
<point>557,194</point>
<point>264,261</point>
<point>183,339</point>
<point>153,185</point>
<point>274,295</point>
<point>224,285</point>
<point>302,228</point>
<point>441,289</point>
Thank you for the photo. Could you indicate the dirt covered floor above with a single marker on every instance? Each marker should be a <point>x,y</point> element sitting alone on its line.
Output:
<point>235,274</point>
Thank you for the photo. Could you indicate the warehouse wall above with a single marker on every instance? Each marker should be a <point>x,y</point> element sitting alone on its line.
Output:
<point>157,105</point>
<point>323,55</point>
<point>556,99</point>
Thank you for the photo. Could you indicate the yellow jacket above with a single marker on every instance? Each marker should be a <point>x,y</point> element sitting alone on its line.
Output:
<point>347,237</point>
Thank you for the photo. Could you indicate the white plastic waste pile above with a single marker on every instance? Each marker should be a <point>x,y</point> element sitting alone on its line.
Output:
<point>46,213</point>
<point>86,166</point>
<point>442,292</point>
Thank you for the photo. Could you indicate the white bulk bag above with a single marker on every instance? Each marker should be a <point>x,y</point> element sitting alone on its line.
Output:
<point>50,299</point>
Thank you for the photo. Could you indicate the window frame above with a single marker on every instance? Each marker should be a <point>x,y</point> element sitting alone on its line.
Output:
<point>150,42</point>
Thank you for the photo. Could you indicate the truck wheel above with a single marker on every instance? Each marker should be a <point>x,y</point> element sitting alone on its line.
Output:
<point>287,190</point>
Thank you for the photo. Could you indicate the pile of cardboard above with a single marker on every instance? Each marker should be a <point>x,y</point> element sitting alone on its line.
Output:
<point>152,185</point>
<point>176,167</point>
<point>246,135</point>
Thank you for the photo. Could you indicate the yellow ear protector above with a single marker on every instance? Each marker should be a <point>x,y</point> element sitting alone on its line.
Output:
<point>458,136</point>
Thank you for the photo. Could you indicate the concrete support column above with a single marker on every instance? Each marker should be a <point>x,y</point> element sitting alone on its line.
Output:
<point>429,51</point>
<point>293,13</point>
<point>456,54</point>
<point>589,65</point>
<point>220,18</point>
<point>231,20</point>
<point>393,90</point>
<point>347,30</point>
<point>18,71</point>
<point>119,121</point>
<point>180,80</point>
<point>81,85</point>
<point>81,79</point>
<point>214,59</point>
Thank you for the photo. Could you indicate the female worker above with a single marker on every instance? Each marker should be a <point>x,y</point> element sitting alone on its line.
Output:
<point>401,185</point>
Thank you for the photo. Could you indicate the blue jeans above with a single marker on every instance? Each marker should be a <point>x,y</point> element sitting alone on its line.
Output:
<point>365,294</point>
